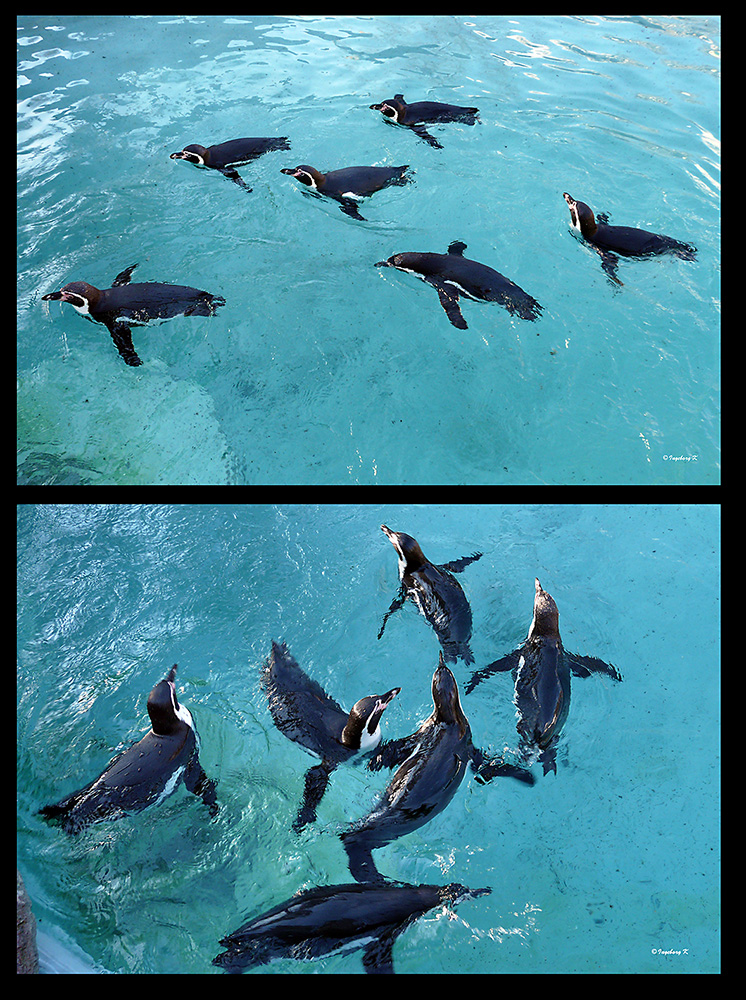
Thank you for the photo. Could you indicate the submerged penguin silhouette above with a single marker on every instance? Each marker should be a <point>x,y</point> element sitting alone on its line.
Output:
<point>124,305</point>
<point>541,672</point>
<point>305,713</point>
<point>145,773</point>
<point>325,919</point>
<point>436,593</point>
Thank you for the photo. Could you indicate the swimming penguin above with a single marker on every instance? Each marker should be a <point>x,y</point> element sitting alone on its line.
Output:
<point>145,773</point>
<point>451,274</point>
<point>436,593</point>
<point>225,155</point>
<point>349,184</point>
<point>398,111</point>
<point>541,671</point>
<point>124,305</point>
<point>621,239</point>
<point>433,763</point>
<point>305,713</point>
<point>325,919</point>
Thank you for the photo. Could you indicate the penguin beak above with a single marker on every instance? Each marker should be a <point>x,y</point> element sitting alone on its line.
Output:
<point>389,696</point>
<point>382,263</point>
<point>177,156</point>
<point>53,296</point>
<point>375,107</point>
<point>290,171</point>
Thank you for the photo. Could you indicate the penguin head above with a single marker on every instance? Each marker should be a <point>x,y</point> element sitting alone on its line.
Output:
<point>363,731</point>
<point>194,153</point>
<point>581,216</point>
<point>445,695</point>
<point>546,615</point>
<point>166,715</point>
<point>392,108</point>
<point>396,261</point>
<point>411,556</point>
<point>79,294</point>
<point>309,176</point>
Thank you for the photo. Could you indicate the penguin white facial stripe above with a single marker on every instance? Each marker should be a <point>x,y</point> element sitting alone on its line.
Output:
<point>390,112</point>
<point>306,179</point>
<point>182,712</point>
<point>81,304</point>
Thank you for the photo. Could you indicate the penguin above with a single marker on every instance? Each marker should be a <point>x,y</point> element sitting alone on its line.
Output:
<point>324,919</point>
<point>433,763</point>
<point>225,155</point>
<point>305,713</point>
<point>349,184</point>
<point>144,774</point>
<point>609,241</point>
<point>541,674</point>
<point>398,111</point>
<point>123,305</point>
<point>451,275</point>
<point>436,593</point>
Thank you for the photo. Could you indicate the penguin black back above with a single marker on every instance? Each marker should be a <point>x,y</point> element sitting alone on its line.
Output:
<point>145,773</point>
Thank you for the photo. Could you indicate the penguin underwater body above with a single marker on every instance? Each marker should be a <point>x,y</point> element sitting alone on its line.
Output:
<point>612,240</point>
<point>541,671</point>
<point>145,773</point>
<point>224,156</point>
<point>451,275</point>
<point>413,116</point>
<point>305,713</point>
<point>348,184</point>
<point>123,305</point>
<point>433,764</point>
<point>327,918</point>
<point>436,593</point>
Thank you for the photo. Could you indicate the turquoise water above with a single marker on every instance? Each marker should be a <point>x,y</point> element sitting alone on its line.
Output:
<point>321,368</point>
<point>612,865</point>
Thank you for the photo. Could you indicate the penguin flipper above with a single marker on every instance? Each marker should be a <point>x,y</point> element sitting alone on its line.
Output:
<point>199,784</point>
<point>122,337</point>
<point>451,306</point>
<point>317,778</point>
<point>362,866</point>
<point>422,132</point>
<point>124,276</point>
<point>584,666</point>
<point>391,753</point>
<point>460,564</point>
<point>233,175</point>
<point>397,603</point>
<point>378,955</point>
<point>609,264</point>
<point>485,769</point>
<point>508,662</point>
<point>349,207</point>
